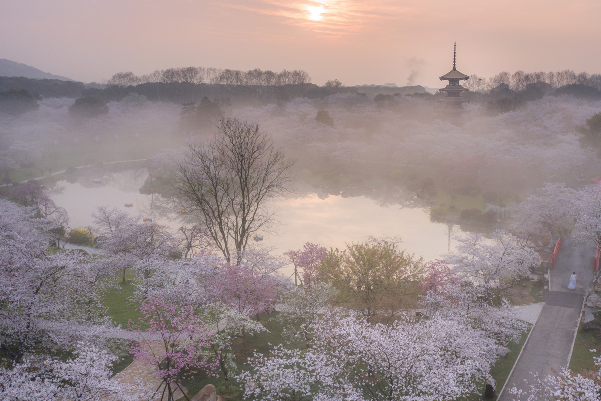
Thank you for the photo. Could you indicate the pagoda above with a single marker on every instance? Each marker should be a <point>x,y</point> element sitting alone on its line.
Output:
<point>454,89</point>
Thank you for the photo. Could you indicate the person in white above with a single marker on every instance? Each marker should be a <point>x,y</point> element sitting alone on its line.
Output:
<point>572,281</point>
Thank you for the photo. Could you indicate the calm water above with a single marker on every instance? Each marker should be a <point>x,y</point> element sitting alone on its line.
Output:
<point>331,222</point>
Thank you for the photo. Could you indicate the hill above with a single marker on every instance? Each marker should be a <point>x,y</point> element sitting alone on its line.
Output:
<point>13,69</point>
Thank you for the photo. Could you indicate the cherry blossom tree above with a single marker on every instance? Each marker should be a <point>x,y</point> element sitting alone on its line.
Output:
<point>229,324</point>
<point>87,376</point>
<point>307,260</point>
<point>176,343</point>
<point>547,214</point>
<point>301,306</point>
<point>189,279</point>
<point>107,221</point>
<point>245,290</point>
<point>469,304</point>
<point>438,276</point>
<point>426,359</point>
<point>564,385</point>
<point>588,220</point>
<point>34,194</point>
<point>139,245</point>
<point>41,294</point>
<point>492,264</point>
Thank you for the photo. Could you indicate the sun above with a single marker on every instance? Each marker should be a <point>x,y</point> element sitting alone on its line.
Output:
<point>315,13</point>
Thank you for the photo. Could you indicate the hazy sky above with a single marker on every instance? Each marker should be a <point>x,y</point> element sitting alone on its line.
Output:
<point>355,41</point>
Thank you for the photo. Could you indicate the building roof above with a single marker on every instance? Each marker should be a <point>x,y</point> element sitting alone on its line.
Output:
<point>453,74</point>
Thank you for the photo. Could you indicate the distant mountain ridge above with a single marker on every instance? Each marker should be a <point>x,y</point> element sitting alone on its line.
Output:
<point>10,68</point>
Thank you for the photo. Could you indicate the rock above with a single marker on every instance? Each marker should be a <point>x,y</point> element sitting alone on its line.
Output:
<point>588,315</point>
<point>588,320</point>
<point>593,301</point>
<point>208,393</point>
<point>502,351</point>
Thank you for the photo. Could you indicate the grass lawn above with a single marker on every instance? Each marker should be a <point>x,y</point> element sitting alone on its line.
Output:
<point>120,308</point>
<point>582,358</point>
<point>501,370</point>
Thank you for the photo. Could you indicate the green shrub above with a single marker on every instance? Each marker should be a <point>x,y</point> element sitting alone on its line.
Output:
<point>88,107</point>
<point>438,211</point>
<point>80,236</point>
<point>470,214</point>
<point>324,117</point>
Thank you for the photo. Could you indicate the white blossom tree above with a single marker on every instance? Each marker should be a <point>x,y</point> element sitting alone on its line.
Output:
<point>87,377</point>
<point>547,214</point>
<point>46,298</point>
<point>492,264</point>
<point>426,359</point>
<point>562,386</point>
<point>588,220</point>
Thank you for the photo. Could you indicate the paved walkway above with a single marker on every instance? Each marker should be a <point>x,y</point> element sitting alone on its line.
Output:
<point>550,344</point>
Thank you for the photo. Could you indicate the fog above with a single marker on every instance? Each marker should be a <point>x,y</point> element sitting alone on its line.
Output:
<point>388,151</point>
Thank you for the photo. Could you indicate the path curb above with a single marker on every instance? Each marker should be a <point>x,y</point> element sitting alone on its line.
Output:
<point>519,355</point>
<point>576,333</point>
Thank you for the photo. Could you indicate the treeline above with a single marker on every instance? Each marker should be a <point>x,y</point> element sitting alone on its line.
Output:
<point>202,75</point>
<point>187,92</point>
<point>43,87</point>
<point>520,79</point>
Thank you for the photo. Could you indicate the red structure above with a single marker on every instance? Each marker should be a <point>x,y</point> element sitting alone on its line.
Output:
<point>555,252</point>
<point>597,254</point>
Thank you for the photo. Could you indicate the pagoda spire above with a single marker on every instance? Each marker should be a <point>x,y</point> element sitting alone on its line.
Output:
<point>454,56</point>
<point>454,89</point>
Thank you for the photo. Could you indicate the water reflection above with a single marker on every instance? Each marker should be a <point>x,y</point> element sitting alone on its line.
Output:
<point>337,220</point>
<point>320,217</point>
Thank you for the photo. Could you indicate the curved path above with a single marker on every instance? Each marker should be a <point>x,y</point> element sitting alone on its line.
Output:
<point>550,343</point>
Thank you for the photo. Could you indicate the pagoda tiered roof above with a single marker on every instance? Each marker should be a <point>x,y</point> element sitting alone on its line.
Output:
<point>454,74</point>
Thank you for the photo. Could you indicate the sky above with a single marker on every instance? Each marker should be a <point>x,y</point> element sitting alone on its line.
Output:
<point>354,41</point>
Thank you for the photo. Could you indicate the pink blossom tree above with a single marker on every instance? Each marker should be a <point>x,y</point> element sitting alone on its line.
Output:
<point>245,290</point>
<point>176,342</point>
<point>307,260</point>
<point>438,276</point>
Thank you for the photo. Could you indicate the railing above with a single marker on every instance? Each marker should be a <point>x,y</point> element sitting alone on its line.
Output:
<point>555,252</point>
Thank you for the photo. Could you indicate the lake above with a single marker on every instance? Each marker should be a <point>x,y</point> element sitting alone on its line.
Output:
<point>328,220</point>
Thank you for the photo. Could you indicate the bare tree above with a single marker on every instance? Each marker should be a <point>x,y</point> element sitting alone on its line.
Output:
<point>228,182</point>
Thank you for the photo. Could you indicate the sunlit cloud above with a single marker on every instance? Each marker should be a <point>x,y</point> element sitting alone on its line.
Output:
<point>328,17</point>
